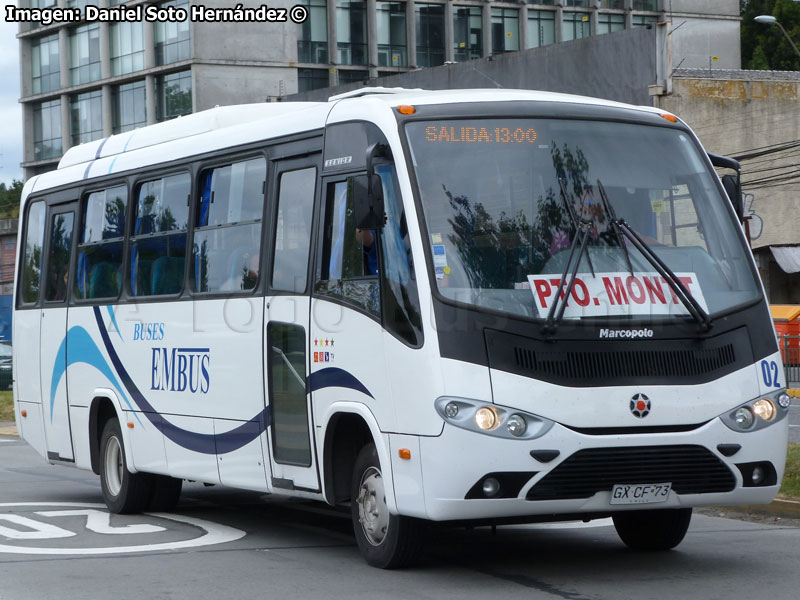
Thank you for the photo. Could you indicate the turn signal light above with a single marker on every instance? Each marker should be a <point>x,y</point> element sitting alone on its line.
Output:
<point>24,413</point>
<point>404,453</point>
<point>405,109</point>
<point>130,425</point>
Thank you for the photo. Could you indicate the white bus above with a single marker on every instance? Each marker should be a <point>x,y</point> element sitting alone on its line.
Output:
<point>482,306</point>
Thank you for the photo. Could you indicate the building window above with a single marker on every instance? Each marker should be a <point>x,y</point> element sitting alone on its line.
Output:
<point>87,117</point>
<point>351,32</point>
<point>127,47</point>
<point>505,30</point>
<point>173,39</point>
<point>85,54</point>
<point>576,25</point>
<point>47,130</point>
<point>99,273</point>
<point>312,47</point>
<point>467,33</point>
<point>45,67</point>
<point>609,23</point>
<point>227,235</point>
<point>41,4</point>
<point>430,34</point>
<point>352,76</point>
<point>644,20</point>
<point>541,28</point>
<point>174,95</point>
<point>651,5</point>
<point>312,79</point>
<point>77,4</point>
<point>392,34</point>
<point>548,2</point>
<point>129,106</point>
<point>615,4</point>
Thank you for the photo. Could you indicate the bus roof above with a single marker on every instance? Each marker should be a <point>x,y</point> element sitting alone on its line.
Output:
<point>230,126</point>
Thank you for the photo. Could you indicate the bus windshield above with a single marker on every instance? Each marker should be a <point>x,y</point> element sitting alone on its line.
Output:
<point>505,199</point>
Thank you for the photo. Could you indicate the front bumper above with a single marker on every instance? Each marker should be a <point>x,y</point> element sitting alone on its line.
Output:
<point>455,462</point>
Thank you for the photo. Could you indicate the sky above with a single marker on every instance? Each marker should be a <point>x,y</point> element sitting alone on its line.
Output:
<point>10,110</point>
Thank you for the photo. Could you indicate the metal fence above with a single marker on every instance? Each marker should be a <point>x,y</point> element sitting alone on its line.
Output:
<point>790,353</point>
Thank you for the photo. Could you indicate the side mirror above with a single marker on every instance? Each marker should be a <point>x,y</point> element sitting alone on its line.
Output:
<point>731,183</point>
<point>368,201</point>
<point>733,188</point>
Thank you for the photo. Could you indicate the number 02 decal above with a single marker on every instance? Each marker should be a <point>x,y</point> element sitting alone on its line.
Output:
<point>769,369</point>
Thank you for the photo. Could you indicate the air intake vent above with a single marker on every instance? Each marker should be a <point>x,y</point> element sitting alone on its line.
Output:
<point>690,469</point>
<point>625,363</point>
<point>601,362</point>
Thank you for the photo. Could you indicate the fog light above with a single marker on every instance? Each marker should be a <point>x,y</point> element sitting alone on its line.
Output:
<point>491,487</point>
<point>485,418</point>
<point>764,408</point>
<point>784,400</point>
<point>757,476</point>
<point>516,425</point>
<point>451,410</point>
<point>744,417</point>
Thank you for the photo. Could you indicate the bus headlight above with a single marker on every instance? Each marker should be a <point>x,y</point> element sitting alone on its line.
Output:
<point>491,419</point>
<point>759,413</point>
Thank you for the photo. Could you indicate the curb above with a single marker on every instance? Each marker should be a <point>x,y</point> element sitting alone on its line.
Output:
<point>8,429</point>
<point>780,507</point>
<point>793,392</point>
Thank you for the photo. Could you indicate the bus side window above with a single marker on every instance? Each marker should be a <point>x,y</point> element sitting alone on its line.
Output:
<point>59,254</point>
<point>158,244</point>
<point>227,235</point>
<point>99,272</point>
<point>401,311</point>
<point>344,270</point>
<point>293,230</point>
<point>32,257</point>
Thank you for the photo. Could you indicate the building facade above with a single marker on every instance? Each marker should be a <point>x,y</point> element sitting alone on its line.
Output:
<point>85,81</point>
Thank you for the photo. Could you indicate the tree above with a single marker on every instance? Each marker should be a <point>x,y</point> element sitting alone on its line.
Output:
<point>9,199</point>
<point>765,46</point>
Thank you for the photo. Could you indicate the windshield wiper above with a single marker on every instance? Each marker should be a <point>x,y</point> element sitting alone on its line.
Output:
<point>582,229</point>
<point>667,274</point>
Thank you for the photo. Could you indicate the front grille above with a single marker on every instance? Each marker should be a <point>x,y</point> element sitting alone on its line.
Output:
<point>690,469</point>
<point>591,365</point>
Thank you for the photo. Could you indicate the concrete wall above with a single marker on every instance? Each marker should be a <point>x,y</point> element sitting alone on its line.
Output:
<point>618,66</point>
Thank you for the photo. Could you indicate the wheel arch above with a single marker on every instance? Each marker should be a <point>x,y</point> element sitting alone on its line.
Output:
<point>105,405</point>
<point>348,428</point>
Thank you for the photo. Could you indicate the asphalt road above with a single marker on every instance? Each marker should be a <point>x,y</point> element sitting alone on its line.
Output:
<point>57,541</point>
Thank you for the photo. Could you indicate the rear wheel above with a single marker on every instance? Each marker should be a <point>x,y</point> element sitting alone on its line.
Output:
<point>386,541</point>
<point>653,530</point>
<point>123,491</point>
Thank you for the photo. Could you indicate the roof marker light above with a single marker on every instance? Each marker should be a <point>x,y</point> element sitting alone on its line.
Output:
<point>405,109</point>
<point>669,117</point>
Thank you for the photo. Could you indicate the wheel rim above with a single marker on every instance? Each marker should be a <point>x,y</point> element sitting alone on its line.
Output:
<point>373,514</point>
<point>113,466</point>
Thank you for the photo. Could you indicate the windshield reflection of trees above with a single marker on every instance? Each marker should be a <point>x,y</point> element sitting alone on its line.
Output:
<point>497,250</point>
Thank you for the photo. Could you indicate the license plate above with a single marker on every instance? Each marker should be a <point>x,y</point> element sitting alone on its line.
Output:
<point>642,493</point>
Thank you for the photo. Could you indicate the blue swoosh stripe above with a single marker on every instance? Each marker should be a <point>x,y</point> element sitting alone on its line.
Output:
<point>335,377</point>
<point>114,320</point>
<point>236,438</point>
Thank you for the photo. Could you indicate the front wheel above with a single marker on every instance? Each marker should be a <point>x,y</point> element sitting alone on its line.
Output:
<point>123,491</point>
<point>386,541</point>
<point>652,530</point>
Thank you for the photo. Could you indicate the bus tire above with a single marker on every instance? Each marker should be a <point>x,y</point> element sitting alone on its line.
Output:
<point>123,491</point>
<point>652,530</point>
<point>165,494</point>
<point>386,541</point>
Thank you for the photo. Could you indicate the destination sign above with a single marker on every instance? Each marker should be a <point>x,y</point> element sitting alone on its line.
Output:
<point>480,135</point>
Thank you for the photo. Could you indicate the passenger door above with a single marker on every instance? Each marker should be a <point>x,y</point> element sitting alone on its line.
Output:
<point>293,458</point>
<point>57,282</point>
